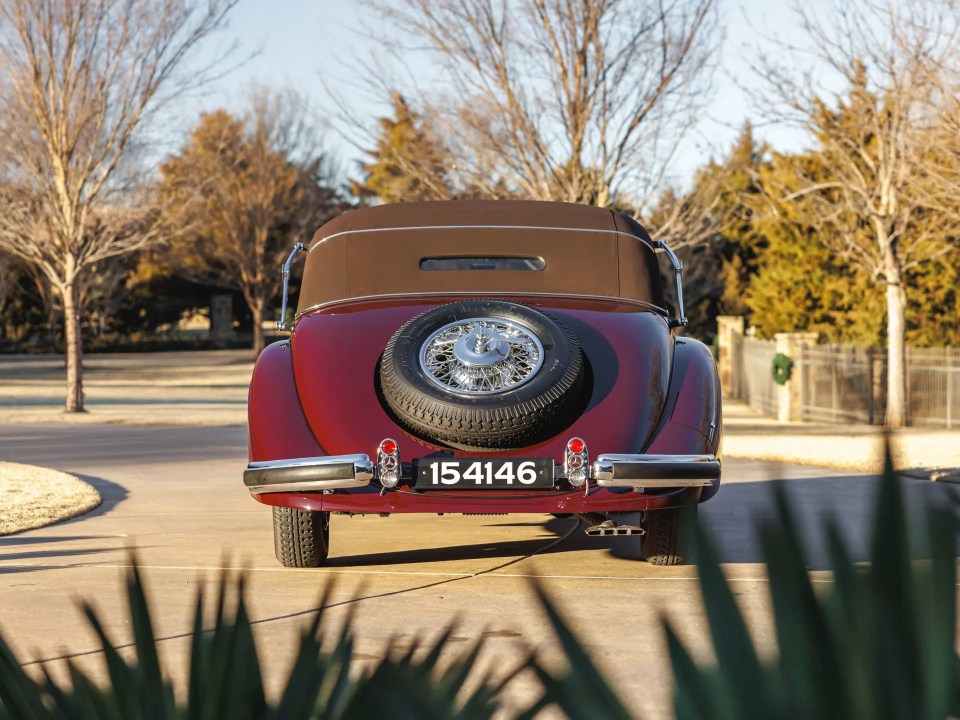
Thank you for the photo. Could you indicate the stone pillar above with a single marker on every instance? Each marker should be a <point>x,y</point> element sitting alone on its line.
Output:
<point>221,317</point>
<point>729,326</point>
<point>790,395</point>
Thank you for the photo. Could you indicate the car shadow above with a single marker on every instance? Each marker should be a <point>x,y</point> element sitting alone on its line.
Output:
<point>554,527</point>
<point>731,518</point>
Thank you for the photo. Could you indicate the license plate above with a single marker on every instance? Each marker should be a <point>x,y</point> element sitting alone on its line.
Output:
<point>493,474</point>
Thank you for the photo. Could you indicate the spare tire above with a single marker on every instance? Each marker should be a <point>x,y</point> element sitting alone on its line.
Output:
<point>483,373</point>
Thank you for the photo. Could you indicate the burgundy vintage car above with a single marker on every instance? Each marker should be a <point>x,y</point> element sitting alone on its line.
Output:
<point>484,358</point>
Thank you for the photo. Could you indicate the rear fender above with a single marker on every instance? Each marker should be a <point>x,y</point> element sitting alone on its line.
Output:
<point>276,424</point>
<point>691,422</point>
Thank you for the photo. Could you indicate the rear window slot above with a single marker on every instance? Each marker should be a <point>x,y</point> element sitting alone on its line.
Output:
<point>485,262</point>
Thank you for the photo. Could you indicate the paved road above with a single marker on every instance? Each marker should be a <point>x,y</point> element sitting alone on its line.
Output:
<point>174,493</point>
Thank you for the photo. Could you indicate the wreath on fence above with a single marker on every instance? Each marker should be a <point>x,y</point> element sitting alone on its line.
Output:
<point>782,368</point>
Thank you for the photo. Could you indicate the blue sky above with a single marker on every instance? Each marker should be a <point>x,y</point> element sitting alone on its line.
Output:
<point>306,43</point>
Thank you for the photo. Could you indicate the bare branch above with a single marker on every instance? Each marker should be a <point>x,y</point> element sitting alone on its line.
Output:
<point>576,100</point>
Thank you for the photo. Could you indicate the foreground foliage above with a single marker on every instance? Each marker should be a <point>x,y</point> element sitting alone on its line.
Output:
<point>225,675</point>
<point>877,643</point>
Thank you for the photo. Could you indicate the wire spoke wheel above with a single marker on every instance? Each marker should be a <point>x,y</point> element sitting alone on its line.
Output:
<point>480,356</point>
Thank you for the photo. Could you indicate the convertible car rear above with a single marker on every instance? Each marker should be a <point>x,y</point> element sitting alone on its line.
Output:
<point>484,357</point>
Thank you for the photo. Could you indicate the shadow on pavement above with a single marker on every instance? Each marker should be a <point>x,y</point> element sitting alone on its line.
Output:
<point>40,554</point>
<point>476,551</point>
<point>111,495</point>
<point>19,569</point>
<point>68,447</point>
<point>43,401</point>
<point>21,540</point>
<point>732,517</point>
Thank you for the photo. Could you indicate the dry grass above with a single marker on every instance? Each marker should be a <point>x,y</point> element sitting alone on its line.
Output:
<point>919,451</point>
<point>31,497</point>
<point>182,388</point>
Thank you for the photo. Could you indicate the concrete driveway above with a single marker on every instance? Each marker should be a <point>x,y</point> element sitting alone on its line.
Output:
<point>175,494</point>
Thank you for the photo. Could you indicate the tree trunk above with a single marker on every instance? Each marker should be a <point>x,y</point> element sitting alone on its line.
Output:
<point>896,355</point>
<point>74,348</point>
<point>256,309</point>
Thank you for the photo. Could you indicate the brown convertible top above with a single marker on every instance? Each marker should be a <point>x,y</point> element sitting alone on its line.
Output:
<point>379,251</point>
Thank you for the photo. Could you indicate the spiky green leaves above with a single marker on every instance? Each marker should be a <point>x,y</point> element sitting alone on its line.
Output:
<point>877,643</point>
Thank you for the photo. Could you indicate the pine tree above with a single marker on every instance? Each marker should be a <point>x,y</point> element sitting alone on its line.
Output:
<point>408,162</point>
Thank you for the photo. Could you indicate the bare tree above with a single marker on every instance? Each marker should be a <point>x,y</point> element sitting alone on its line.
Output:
<point>79,81</point>
<point>875,138</point>
<point>575,100</point>
<point>248,187</point>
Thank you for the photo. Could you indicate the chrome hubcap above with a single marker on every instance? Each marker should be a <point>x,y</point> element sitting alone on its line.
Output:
<point>480,356</point>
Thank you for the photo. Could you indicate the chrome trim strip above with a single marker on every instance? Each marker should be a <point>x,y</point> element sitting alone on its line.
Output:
<point>307,486</point>
<point>649,483</point>
<point>674,474</point>
<point>478,293</point>
<point>285,274</point>
<point>322,240</point>
<point>681,318</point>
<point>359,461</point>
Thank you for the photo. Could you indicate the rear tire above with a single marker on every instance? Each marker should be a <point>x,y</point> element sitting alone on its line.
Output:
<point>665,540</point>
<point>301,538</point>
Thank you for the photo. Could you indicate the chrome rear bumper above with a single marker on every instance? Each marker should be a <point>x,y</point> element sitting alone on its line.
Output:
<point>335,472</point>
<point>656,471</point>
<point>330,472</point>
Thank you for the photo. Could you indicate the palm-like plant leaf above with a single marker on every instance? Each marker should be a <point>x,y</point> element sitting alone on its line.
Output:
<point>225,677</point>
<point>878,644</point>
<point>581,691</point>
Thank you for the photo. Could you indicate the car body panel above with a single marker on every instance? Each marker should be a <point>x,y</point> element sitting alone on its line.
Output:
<point>335,356</point>
<point>276,426</point>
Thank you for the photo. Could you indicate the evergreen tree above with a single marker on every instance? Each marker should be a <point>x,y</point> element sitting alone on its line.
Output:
<point>408,162</point>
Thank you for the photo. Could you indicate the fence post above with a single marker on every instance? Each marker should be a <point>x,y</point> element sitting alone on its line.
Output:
<point>727,327</point>
<point>951,382</point>
<point>871,405</point>
<point>792,396</point>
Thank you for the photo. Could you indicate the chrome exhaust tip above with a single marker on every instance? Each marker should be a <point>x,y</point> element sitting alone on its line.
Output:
<point>609,528</point>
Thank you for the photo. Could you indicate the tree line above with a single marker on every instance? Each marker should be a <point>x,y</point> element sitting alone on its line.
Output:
<point>855,237</point>
<point>584,101</point>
